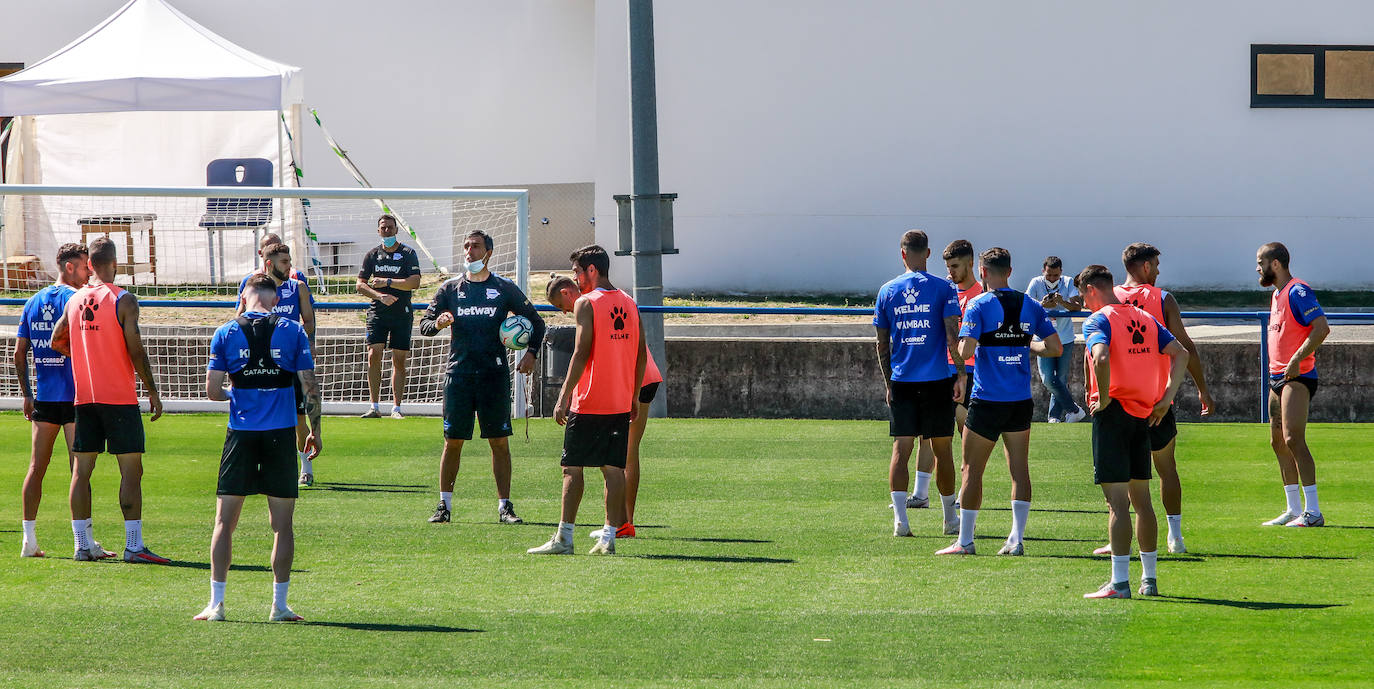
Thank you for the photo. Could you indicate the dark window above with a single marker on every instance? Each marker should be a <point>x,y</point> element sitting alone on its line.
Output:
<point>1311,76</point>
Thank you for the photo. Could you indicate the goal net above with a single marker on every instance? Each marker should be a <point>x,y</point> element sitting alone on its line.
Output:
<point>183,252</point>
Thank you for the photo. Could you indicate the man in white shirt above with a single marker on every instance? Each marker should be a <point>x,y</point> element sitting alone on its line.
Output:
<point>1056,293</point>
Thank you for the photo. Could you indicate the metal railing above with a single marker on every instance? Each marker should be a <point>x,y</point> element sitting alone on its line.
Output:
<point>1262,317</point>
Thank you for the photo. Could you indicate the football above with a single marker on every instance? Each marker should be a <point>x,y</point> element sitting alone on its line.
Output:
<point>515,332</point>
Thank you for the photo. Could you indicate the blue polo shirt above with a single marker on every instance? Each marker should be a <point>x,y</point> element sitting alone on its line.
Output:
<point>1003,374</point>
<point>54,370</point>
<point>912,308</point>
<point>269,409</point>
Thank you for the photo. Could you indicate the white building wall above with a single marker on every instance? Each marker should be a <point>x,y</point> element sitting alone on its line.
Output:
<point>422,93</point>
<point>804,137</point>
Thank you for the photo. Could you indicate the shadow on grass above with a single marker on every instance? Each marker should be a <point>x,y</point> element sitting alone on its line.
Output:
<point>364,488</point>
<point>1246,604</point>
<point>1203,557</point>
<point>1328,526</point>
<point>188,564</point>
<point>710,540</point>
<point>1102,512</point>
<point>373,626</point>
<point>591,526</point>
<point>738,559</point>
<point>1064,540</point>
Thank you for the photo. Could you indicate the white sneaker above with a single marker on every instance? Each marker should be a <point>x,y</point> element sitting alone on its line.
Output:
<point>598,533</point>
<point>1054,420</point>
<point>283,615</point>
<point>211,613</point>
<point>396,414</point>
<point>30,549</point>
<point>602,548</point>
<point>1176,546</point>
<point>952,527</point>
<point>1010,548</point>
<point>899,529</point>
<point>555,546</point>
<point>1308,519</point>
<point>1281,520</point>
<point>915,503</point>
<point>1075,417</point>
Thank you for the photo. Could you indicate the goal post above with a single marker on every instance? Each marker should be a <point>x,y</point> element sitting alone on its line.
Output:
<point>184,250</point>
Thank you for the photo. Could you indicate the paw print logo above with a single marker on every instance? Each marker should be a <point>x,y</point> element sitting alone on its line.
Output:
<point>47,312</point>
<point>618,316</point>
<point>1137,330</point>
<point>88,309</point>
<point>1134,302</point>
<point>910,295</point>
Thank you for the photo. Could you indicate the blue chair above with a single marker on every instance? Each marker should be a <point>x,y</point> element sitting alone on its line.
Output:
<point>235,213</point>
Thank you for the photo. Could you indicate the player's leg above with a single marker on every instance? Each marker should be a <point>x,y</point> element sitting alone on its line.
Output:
<point>976,450</point>
<point>1288,466</point>
<point>399,357</point>
<point>612,447</point>
<point>501,471</point>
<point>1295,402</point>
<point>374,374</point>
<point>925,470</point>
<point>1118,499</point>
<point>615,509</point>
<point>491,396</point>
<point>43,437</point>
<point>943,450</point>
<point>637,428</point>
<point>449,462</point>
<point>1146,534</point>
<point>131,503</point>
<point>561,543</point>
<point>227,511</point>
<point>898,476</point>
<point>1170,493</point>
<point>281,514</point>
<point>1016,446</point>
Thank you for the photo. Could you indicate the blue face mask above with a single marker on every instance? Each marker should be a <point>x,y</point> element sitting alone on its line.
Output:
<point>389,242</point>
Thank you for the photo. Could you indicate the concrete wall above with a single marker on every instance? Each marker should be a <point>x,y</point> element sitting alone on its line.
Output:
<point>804,140</point>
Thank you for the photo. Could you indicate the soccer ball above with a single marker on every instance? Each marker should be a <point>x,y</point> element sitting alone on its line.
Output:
<point>515,332</point>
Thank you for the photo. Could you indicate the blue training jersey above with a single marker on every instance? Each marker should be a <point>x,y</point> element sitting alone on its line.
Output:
<point>288,295</point>
<point>261,409</point>
<point>912,308</point>
<point>54,370</point>
<point>1003,373</point>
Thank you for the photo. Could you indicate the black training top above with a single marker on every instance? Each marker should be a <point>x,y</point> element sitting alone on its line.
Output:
<point>398,263</point>
<point>478,309</point>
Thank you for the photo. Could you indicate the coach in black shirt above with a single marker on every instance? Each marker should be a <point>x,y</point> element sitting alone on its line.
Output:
<point>389,275</point>
<point>477,381</point>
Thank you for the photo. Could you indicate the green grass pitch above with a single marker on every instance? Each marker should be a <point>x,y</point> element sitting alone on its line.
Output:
<point>765,559</point>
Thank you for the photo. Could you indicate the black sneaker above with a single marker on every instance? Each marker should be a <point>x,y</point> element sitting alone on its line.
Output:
<point>440,514</point>
<point>506,515</point>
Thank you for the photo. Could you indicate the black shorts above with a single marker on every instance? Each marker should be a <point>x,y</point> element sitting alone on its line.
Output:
<point>648,392</point>
<point>393,331</point>
<point>300,395</point>
<point>924,409</point>
<point>259,462</point>
<point>992,419</point>
<point>113,428</point>
<point>486,394</point>
<point>596,440</point>
<point>59,413</point>
<point>968,387</point>
<point>1276,384</point>
<point>1121,446</point>
<point>1164,433</point>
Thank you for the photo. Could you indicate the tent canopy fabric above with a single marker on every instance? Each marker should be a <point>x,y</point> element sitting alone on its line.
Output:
<point>149,56</point>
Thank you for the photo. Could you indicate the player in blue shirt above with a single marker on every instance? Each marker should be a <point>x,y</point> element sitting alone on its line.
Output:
<point>997,331</point>
<point>290,290</point>
<point>917,316</point>
<point>262,354</point>
<point>51,409</point>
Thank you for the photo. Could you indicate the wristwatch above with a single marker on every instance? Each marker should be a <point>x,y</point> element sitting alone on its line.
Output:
<point>388,282</point>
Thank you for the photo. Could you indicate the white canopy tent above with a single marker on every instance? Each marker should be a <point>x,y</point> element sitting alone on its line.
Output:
<point>147,98</point>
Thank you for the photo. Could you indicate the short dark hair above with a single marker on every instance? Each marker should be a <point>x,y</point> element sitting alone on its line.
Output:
<point>1054,262</point>
<point>556,284</point>
<point>388,216</point>
<point>103,252</point>
<point>486,239</point>
<point>915,240</point>
<point>1096,275</point>
<point>958,249</point>
<point>261,283</point>
<point>269,239</point>
<point>997,259</point>
<point>1275,251</point>
<point>1137,253</point>
<point>275,249</point>
<point>592,255</point>
<point>71,251</point>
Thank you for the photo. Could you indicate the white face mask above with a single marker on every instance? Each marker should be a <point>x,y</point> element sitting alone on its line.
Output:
<point>475,266</point>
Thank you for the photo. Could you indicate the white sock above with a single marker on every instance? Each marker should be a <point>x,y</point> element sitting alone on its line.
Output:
<point>374,406</point>
<point>216,592</point>
<point>565,532</point>
<point>1309,495</point>
<point>79,534</point>
<point>307,466</point>
<point>1175,526</point>
<point>30,530</point>
<point>1020,512</point>
<point>947,502</point>
<point>90,533</point>
<point>608,534</point>
<point>1147,562</point>
<point>502,503</point>
<point>446,497</point>
<point>279,594</point>
<point>923,485</point>
<point>1292,492</point>
<point>133,534</point>
<point>899,507</point>
<point>1121,569</point>
<point>967,520</point>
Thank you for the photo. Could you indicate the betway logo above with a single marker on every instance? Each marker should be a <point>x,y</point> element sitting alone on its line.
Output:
<point>475,311</point>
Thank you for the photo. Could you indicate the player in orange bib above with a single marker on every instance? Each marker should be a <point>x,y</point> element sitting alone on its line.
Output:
<point>99,331</point>
<point>1128,393</point>
<point>562,294</point>
<point>1141,261</point>
<point>1297,327</point>
<point>598,399</point>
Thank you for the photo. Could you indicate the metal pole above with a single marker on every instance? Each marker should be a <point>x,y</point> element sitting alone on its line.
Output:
<point>648,244</point>
<point>1264,366</point>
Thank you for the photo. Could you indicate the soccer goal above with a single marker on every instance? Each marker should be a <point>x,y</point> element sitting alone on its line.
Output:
<point>184,250</point>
